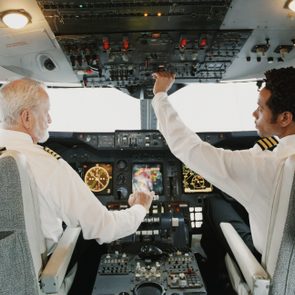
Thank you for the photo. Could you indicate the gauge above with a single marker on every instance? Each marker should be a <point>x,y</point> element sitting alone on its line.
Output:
<point>122,192</point>
<point>121,164</point>
<point>193,182</point>
<point>198,182</point>
<point>121,179</point>
<point>97,178</point>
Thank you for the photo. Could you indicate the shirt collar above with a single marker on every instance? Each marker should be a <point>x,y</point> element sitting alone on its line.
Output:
<point>288,139</point>
<point>11,135</point>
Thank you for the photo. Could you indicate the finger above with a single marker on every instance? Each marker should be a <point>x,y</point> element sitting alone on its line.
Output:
<point>155,75</point>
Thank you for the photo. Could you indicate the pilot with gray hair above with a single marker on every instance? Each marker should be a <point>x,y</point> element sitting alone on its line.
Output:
<point>63,196</point>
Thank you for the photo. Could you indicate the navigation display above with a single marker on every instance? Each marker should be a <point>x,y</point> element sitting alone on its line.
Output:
<point>193,182</point>
<point>99,177</point>
<point>147,177</point>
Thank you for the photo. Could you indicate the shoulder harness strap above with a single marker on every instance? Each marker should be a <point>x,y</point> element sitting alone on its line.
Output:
<point>51,152</point>
<point>267,143</point>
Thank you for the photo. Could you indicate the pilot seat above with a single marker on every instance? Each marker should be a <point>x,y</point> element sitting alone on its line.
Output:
<point>24,268</point>
<point>275,274</point>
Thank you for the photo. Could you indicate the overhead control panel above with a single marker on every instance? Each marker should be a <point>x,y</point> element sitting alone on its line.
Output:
<point>121,43</point>
<point>128,60</point>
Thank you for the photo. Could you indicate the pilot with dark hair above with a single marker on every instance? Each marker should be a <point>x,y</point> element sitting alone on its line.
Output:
<point>249,176</point>
<point>63,196</point>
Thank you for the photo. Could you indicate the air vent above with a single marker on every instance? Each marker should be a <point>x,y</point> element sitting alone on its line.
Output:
<point>46,63</point>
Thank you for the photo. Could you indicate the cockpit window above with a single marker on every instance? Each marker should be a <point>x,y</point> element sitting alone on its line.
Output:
<point>217,107</point>
<point>204,108</point>
<point>93,110</point>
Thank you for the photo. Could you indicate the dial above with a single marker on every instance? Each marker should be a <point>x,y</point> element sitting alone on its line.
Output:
<point>97,178</point>
<point>121,164</point>
<point>193,182</point>
<point>121,179</point>
<point>122,192</point>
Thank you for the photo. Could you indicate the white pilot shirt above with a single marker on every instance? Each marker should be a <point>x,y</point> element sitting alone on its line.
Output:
<point>65,197</point>
<point>249,176</point>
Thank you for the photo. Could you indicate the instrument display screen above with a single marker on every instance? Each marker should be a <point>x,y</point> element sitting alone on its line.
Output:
<point>147,177</point>
<point>193,182</point>
<point>98,177</point>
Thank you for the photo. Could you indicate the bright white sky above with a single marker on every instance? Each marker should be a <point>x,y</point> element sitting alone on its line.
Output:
<point>203,107</point>
<point>93,110</point>
<point>217,107</point>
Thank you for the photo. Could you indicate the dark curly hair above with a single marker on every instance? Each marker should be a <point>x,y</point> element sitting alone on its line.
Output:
<point>281,83</point>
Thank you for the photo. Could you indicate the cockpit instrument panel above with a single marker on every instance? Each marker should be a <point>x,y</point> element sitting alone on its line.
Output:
<point>193,182</point>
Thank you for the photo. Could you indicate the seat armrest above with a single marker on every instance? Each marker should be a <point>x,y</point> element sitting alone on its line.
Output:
<point>251,269</point>
<point>236,278</point>
<point>54,272</point>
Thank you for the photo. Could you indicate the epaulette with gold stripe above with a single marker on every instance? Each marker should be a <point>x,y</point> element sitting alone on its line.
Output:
<point>2,149</point>
<point>51,152</point>
<point>267,143</point>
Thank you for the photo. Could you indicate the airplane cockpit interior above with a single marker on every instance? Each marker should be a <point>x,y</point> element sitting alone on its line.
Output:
<point>119,44</point>
<point>159,257</point>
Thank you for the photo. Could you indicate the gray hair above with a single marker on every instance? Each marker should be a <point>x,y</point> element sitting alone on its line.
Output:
<point>16,96</point>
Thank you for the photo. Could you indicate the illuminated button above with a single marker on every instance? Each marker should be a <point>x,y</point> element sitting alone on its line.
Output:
<point>175,222</point>
<point>198,224</point>
<point>198,216</point>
